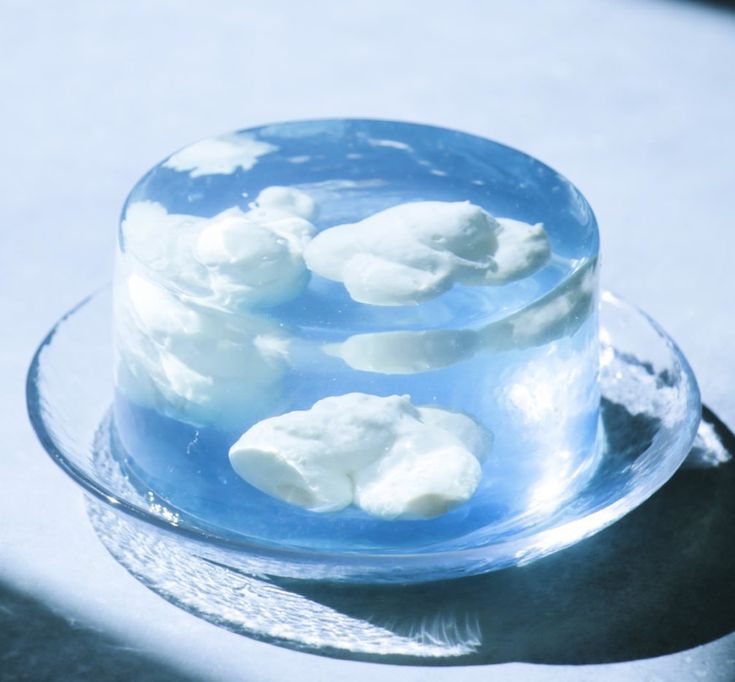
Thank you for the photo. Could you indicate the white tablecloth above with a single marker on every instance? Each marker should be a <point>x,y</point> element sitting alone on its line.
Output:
<point>633,101</point>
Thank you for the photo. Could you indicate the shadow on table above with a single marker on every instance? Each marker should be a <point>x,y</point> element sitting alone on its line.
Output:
<point>37,644</point>
<point>660,580</point>
<point>721,4</point>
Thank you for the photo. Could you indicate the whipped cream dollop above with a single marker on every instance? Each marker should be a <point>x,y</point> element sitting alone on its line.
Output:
<point>181,348</point>
<point>234,260</point>
<point>195,364</point>
<point>384,455</point>
<point>416,251</point>
<point>221,155</point>
<point>557,314</point>
<point>405,352</point>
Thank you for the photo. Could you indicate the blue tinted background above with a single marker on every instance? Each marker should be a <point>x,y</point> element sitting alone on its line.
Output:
<point>633,101</point>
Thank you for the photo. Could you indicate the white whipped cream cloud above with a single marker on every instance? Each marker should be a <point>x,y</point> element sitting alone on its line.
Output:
<point>237,259</point>
<point>416,251</point>
<point>405,352</point>
<point>194,364</point>
<point>387,457</point>
<point>186,354</point>
<point>219,155</point>
<point>559,313</point>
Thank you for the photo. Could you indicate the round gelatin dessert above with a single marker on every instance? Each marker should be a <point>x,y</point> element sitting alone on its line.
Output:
<point>354,334</point>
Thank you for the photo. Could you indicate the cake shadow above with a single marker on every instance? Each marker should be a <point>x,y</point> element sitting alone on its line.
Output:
<point>40,644</point>
<point>656,582</point>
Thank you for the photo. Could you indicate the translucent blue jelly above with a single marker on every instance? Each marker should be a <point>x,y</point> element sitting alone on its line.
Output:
<point>539,397</point>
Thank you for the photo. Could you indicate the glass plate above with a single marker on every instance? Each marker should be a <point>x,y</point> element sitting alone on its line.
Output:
<point>650,414</point>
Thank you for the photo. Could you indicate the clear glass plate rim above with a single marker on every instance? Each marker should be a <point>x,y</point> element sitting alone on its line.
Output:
<point>606,515</point>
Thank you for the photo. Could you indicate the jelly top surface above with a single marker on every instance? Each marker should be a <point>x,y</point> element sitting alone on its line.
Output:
<point>353,169</point>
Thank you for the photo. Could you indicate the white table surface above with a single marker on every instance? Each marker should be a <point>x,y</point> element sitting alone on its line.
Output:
<point>633,101</point>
